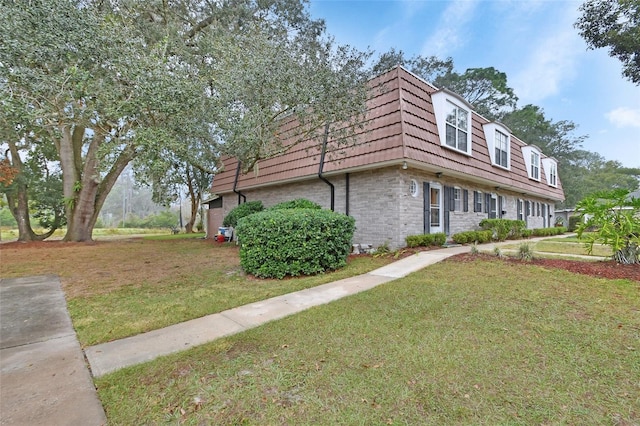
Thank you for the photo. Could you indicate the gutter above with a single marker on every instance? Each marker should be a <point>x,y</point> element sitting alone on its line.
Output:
<point>235,185</point>
<point>324,150</point>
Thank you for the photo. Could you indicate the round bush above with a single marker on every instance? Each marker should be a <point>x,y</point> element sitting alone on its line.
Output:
<point>241,211</point>
<point>276,243</point>
<point>300,203</point>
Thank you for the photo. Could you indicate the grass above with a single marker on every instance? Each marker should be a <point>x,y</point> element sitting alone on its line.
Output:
<point>120,288</point>
<point>563,246</point>
<point>470,347</point>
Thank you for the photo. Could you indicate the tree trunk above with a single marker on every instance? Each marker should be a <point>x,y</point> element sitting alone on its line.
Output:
<point>194,199</point>
<point>84,189</point>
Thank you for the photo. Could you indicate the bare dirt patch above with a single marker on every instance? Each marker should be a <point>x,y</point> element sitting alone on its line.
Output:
<point>100,267</point>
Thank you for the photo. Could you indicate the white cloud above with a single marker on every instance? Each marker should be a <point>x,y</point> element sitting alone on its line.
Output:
<point>450,33</point>
<point>624,117</point>
<point>553,60</point>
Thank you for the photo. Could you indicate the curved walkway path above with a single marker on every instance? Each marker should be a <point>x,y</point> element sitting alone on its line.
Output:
<point>44,379</point>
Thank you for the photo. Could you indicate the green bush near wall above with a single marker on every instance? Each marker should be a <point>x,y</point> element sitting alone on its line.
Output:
<point>426,240</point>
<point>277,243</point>
<point>574,221</point>
<point>472,237</point>
<point>547,232</point>
<point>300,203</point>
<point>504,228</point>
<point>242,210</point>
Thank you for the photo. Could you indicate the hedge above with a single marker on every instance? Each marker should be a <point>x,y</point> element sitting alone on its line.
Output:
<point>504,228</point>
<point>547,232</point>
<point>426,240</point>
<point>277,243</point>
<point>243,210</point>
<point>472,237</point>
<point>300,203</point>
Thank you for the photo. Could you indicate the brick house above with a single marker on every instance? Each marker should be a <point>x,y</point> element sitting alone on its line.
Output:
<point>424,162</point>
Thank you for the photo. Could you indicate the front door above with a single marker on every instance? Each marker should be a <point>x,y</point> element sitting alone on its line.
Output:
<point>433,208</point>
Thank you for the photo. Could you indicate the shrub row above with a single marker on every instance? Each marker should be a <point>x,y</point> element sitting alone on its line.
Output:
<point>504,229</point>
<point>547,232</point>
<point>277,243</point>
<point>426,240</point>
<point>472,237</point>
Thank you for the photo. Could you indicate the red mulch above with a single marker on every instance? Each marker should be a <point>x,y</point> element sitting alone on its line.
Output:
<point>601,269</point>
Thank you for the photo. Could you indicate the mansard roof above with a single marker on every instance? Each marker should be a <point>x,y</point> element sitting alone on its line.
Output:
<point>399,126</point>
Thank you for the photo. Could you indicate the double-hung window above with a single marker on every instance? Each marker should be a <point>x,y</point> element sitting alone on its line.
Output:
<point>454,121</point>
<point>502,149</point>
<point>533,161</point>
<point>457,199</point>
<point>535,165</point>
<point>553,175</point>
<point>477,201</point>
<point>550,167</point>
<point>457,127</point>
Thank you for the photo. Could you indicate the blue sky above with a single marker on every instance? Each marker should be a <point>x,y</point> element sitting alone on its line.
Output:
<point>533,41</point>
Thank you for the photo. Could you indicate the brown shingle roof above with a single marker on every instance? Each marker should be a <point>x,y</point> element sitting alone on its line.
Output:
<point>399,125</point>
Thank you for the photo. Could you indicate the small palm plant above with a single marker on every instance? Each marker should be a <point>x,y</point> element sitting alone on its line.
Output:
<point>525,252</point>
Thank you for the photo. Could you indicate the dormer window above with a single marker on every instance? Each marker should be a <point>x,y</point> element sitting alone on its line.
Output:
<point>535,165</point>
<point>498,142</point>
<point>532,156</point>
<point>502,148</point>
<point>550,171</point>
<point>457,127</point>
<point>453,118</point>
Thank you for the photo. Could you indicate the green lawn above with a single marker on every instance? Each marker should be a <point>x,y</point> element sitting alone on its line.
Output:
<point>566,245</point>
<point>482,342</point>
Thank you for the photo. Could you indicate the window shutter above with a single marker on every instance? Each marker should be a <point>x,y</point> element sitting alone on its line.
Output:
<point>519,208</point>
<point>527,209</point>
<point>426,191</point>
<point>475,201</point>
<point>465,201</point>
<point>487,203</point>
<point>499,206</point>
<point>449,194</point>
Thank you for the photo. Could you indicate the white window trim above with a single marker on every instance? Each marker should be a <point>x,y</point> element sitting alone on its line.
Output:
<point>526,153</point>
<point>459,207</point>
<point>490,130</point>
<point>549,165</point>
<point>440,100</point>
<point>414,188</point>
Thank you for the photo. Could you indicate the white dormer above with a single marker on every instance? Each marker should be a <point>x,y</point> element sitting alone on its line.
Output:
<point>453,118</point>
<point>498,138</point>
<point>550,166</point>
<point>532,156</point>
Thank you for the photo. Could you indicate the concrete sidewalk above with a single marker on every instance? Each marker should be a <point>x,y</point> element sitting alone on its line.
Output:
<point>44,378</point>
<point>111,356</point>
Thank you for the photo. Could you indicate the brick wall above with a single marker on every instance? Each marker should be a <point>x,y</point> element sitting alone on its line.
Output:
<point>382,205</point>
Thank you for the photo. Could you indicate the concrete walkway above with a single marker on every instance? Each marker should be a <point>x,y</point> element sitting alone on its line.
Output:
<point>44,379</point>
<point>111,356</point>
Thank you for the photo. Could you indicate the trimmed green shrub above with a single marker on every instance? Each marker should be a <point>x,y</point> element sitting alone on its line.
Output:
<point>574,221</point>
<point>526,233</point>
<point>503,228</point>
<point>472,237</point>
<point>426,240</point>
<point>241,211</point>
<point>300,203</point>
<point>547,232</point>
<point>277,243</point>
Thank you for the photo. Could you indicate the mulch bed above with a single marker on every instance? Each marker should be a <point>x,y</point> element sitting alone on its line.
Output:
<point>602,269</point>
